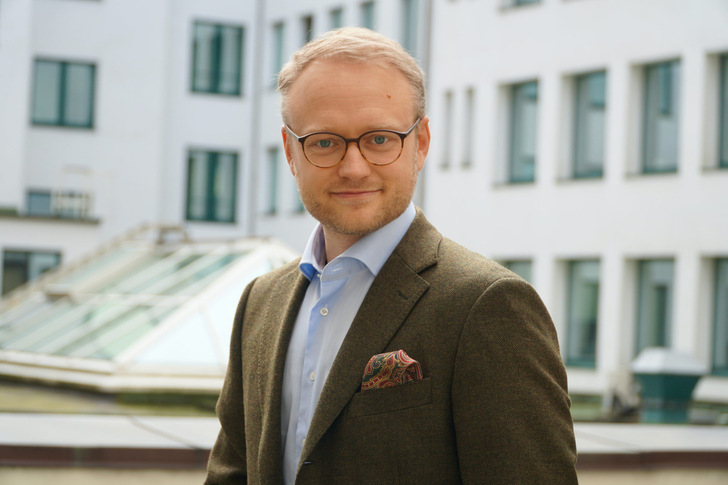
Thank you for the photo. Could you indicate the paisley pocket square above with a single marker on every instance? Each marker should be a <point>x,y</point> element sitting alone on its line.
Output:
<point>390,369</point>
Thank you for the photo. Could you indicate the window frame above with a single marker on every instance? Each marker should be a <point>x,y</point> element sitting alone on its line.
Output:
<point>211,160</point>
<point>336,17</point>
<point>720,315</point>
<point>665,340</point>
<point>513,265</point>
<point>571,358</point>
<point>469,127</point>
<point>579,132</point>
<point>273,159</point>
<point>216,62</point>
<point>666,104</point>
<point>367,15</point>
<point>61,91</point>
<point>28,255</point>
<point>278,46</point>
<point>723,112</point>
<point>448,128</point>
<point>516,133</point>
<point>307,28</point>
<point>410,22</point>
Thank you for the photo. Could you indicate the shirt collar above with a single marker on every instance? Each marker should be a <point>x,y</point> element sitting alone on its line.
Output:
<point>372,250</point>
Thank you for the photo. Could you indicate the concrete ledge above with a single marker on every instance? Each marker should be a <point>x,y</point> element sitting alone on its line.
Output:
<point>135,458</point>
<point>653,460</point>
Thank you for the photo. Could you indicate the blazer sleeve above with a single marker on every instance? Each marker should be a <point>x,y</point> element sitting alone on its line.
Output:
<point>510,400</point>
<point>227,462</point>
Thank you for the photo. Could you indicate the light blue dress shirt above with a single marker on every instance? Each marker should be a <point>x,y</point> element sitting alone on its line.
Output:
<point>332,300</point>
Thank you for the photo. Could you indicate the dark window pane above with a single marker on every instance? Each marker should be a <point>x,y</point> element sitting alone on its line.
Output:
<point>720,339</point>
<point>217,59</point>
<point>521,268</point>
<point>654,319</point>
<point>19,267</point>
<point>661,117</point>
<point>63,94</point>
<point>39,203</point>
<point>589,122</point>
<point>78,104</point>
<point>336,18</point>
<point>723,134</point>
<point>524,121</point>
<point>211,186</point>
<point>583,311</point>
<point>367,15</point>
<point>46,92</point>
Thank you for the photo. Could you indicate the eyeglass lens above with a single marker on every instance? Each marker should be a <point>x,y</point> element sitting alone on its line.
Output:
<point>377,147</point>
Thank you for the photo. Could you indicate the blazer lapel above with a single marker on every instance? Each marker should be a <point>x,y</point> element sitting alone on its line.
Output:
<point>393,294</point>
<point>285,301</point>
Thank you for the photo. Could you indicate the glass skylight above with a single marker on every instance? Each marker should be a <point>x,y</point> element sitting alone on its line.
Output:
<point>138,315</point>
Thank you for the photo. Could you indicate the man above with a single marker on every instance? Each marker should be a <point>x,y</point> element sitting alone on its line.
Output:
<point>486,400</point>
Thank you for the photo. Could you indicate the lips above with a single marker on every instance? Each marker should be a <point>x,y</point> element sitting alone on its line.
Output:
<point>354,193</point>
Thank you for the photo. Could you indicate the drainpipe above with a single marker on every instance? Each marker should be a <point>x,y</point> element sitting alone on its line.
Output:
<point>256,102</point>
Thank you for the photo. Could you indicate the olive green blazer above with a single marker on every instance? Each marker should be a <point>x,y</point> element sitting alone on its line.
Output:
<point>492,406</point>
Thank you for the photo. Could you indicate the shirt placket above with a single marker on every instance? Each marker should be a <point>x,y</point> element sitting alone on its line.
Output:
<point>331,282</point>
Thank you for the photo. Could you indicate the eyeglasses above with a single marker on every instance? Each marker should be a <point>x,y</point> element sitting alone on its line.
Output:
<point>378,147</point>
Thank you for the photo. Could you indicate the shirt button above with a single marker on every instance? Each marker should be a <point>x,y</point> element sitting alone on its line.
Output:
<point>324,311</point>
<point>312,376</point>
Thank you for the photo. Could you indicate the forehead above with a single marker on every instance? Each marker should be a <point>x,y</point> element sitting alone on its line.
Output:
<point>340,94</point>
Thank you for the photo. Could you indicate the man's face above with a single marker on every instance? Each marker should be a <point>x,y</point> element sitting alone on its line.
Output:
<point>354,198</point>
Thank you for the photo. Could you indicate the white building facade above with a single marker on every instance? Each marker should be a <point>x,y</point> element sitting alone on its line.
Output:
<point>584,143</point>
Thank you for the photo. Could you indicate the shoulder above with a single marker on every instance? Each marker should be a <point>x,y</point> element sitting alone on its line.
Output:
<point>464,267</point>
<point>287,274</point>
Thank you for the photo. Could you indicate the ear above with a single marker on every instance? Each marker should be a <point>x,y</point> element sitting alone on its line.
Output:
<point>423,142</point>
<point>287,148</point>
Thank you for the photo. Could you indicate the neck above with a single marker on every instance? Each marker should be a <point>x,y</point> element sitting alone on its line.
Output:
<point>337,243</point>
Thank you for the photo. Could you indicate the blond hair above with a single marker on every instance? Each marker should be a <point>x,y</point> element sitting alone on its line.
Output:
<point>354,44</point>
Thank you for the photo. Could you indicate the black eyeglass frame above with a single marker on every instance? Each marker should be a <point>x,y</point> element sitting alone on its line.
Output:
<point>402,135</point>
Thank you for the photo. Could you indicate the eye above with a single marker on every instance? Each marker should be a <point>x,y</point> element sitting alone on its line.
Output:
<point>323,142</point>
<point>379,139</point>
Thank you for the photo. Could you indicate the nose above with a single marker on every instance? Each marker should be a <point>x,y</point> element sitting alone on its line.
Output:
<point>354,166</point>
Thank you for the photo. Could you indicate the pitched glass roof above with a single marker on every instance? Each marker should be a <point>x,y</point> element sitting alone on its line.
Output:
<point>137,315</point>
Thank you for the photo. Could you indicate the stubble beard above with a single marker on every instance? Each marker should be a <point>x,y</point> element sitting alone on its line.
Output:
<point>343,219</point>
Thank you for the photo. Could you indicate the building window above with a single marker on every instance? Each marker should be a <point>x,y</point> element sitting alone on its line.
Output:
<point>217,59</point>
<point>518,3</point>
<point>298,206</point>
<point>522,267</point>
<point>720,348</point>
<point>19,267</point>
<point>590,103</point>
<point>723,136</point>
<point>447,126</point>
<point>211,186</point>
<point>307,28</point>
<point>367,15</point>
<point>583,305</point>
<point>272,194</point>
<point>279,35</point>
<point>63,94</point>
<point>336,18</point>
<point>654,308</point>
<point>67,205</point>
<point>469,127</point>
<point>409,25</point>
<point>39,203</point>
<point>661,116</point>
<point>523,128</point>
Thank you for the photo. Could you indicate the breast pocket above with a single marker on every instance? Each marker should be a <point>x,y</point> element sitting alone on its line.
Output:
<point>388,399</point>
